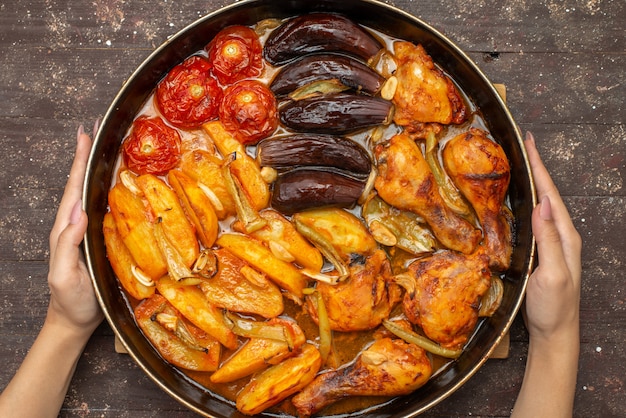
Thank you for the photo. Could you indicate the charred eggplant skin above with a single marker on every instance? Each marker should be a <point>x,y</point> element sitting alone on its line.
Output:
<point>349,71</point>
<point>287,151</point>
<point>319,32</point>
<point>306,188</point>
<point>339,113</point>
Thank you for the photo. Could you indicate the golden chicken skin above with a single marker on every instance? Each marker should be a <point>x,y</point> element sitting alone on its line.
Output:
<point>362,301</point>
<point>447,294</point>
<point>424,94</point>
<point>405,181</point>
<point>480,169</point>
<point>389,367</point>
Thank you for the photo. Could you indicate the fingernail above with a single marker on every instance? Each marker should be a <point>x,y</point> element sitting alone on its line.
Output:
<point>96,126</point>
<point>77,210</point>
<point>81,131</point>
<point>530,137</point>
<point>545,211</point>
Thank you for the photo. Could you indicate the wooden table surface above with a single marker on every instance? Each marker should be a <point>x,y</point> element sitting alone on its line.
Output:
<point>563,63</point>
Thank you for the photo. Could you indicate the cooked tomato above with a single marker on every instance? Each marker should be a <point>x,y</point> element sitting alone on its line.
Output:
<point>152,147</point>
<point>248,111</point>
<point>235,53</point>
<point>189,95</point>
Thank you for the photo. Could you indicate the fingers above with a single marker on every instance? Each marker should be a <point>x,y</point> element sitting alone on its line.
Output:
<point>552,224</point>
<point>66,255</point>
<point>73,189</point>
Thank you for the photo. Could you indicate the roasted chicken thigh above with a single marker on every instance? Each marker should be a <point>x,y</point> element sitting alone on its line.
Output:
<point>447,294</point>
<point>362,301</point>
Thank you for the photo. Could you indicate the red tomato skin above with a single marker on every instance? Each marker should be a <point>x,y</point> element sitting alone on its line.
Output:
<point>189,95</point>
<point>249,111</point>
<point>152,147</point>
<point>235,53</point>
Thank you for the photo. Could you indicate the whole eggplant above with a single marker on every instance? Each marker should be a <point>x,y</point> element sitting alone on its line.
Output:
<point>306,188</point>
<point>314,150</point>
<point>339,113</point>
<point>319,32</point>
<point>349,71</point>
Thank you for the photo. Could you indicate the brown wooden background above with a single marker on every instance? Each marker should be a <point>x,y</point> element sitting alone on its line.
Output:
<point>564,62</point>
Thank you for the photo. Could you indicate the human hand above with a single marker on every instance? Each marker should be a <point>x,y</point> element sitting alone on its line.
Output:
<point>553,292</point>
<point>73,304</point>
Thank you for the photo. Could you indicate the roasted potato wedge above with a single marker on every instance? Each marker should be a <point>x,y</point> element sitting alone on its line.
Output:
<point>239,288</point>
<point>279,381</point>
<point>258,353</point>
<point>122,261</point>
<point>193,305</point>
<point>243,167</point>
<point>179,342</point>
<point>249,249</point>
<point>206,168</point>
<point>285,241</point>
<point>132,220</point>
<point>166,207</point>
<point>197,205</point>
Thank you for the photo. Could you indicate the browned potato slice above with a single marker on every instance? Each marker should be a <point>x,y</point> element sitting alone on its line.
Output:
<point>193,305</point>
<point>166,206</point>
<point>284,274</point>
<point>258,353</point>
<point>179,342</point>
<point>197,205</point>
<point>239,288</point>
<point>343,230</point>
<point>244,167</point>
<point>279,381</point>
<point>131,219</point>
<point>122,261</point>
<point>282,238</point>
<point>206,169</point>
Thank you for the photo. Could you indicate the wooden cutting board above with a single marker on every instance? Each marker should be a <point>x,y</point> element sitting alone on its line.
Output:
<point>500,352</point>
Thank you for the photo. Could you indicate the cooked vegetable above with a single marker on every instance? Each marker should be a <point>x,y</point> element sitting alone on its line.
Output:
<point>420,341</point>
<point>285,242</point>
<point>314,150</point>
<point>239,288</point>
<point>319,32</point>
<point>152,147</point>
<point>189,95</point>
<point>338,113</point>
<point>165,206</point>
<point>136,231</point>
<point>242,166</point>
<point>393,227</point>
<point>206,168</point>
<point>306,188</point>
<point>284,274</point>
<point>448,190</point>
<point>235,53</point>
<point>123,263</point>
<point>248,111</point>
<point>279,381</point>
<point>258,353</point>
<point>193,305</point>
<point>197,205</point>
<point>180,343</point>
<point>491,300</point>
<point>310,68</point>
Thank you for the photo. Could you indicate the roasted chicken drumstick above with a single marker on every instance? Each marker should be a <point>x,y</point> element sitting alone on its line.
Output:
<point>406,182</point>
<point>480,169</point>
<point>387,368</point>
